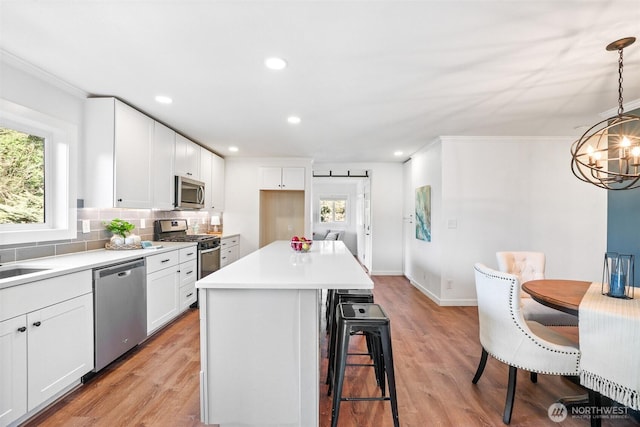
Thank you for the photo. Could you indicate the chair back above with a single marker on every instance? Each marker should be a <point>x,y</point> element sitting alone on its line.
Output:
<point>526,265</point>
<point>501,321</point>
<point>506,335</point>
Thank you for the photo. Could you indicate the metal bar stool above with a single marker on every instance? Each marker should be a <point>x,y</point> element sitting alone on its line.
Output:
<point>370,319</point>
<point>343,296</point>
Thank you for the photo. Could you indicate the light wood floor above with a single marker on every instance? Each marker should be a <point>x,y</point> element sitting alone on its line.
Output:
<point>436,351</point>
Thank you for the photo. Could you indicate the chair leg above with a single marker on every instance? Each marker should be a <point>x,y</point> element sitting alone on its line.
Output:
<point>511,392</point>
<point>534,377</point>
<point>595,401</point>
<point>387,354</point>
<point>340,363</point>
<point>480,370</point>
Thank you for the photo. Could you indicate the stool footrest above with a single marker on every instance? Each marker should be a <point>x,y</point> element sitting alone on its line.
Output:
<point>360,364</point>
<point>355,399</point>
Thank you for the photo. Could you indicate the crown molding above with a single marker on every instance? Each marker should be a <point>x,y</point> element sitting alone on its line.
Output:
<point>23,65</point>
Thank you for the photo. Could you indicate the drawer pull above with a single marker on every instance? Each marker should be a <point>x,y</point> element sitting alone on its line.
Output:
<point>22,329</point>
<point>190,253</point>
<point>36,324</point>
<point>188,295</point>
<point>189,272</point>
<point>165,260</point>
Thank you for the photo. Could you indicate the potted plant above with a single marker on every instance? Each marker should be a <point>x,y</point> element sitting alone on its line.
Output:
<point>121,230</point>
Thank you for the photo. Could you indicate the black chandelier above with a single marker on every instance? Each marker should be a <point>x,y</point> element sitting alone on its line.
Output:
<point>608,154</point>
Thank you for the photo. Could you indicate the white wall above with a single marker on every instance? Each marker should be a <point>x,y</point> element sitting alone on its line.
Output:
<point>504,194</point>
<point>423,260</point>
<point>386,212</point>
<point>242,197</point>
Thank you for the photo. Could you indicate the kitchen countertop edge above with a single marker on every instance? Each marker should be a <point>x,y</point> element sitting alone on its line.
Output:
<point>71,263</point>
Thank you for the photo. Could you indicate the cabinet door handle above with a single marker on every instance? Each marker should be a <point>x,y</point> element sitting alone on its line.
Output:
<point>36,324</point>
<point>22,329</point>
<point>120,200</point>
<point>190,253</point>
<point>189,272</point>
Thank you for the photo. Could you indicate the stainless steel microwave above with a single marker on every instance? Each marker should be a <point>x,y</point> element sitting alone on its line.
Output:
<point>189,193</point>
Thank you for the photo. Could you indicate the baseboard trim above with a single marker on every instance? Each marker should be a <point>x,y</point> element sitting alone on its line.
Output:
<point>444,302</point>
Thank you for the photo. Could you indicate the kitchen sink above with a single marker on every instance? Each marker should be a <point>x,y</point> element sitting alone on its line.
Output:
<point>5,273</point>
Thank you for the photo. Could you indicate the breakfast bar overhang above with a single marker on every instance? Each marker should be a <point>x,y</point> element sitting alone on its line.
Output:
<point>260,333</point>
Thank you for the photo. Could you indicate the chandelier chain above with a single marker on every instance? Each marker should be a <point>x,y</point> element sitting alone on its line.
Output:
<point>620,68</point>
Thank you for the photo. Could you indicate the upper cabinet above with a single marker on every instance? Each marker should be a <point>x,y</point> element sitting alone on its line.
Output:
<point>131,160</point>
<point>217,183</point>
<point>205,175</point>
<point>272,178</point>
<point>164,140</point>
<point>118,153</point>
<point>187,158</point>
<point>212,174</point>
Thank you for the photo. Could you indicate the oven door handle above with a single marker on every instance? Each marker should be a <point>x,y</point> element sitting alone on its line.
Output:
<point>206,251</point>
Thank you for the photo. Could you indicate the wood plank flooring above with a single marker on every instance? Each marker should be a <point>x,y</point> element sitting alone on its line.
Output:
<point>436,351</point>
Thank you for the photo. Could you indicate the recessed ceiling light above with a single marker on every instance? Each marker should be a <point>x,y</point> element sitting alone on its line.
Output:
<point>397,153</point>
<point>294,120</point>
<point>163,99</point>
<point>233,149</point>
<point>275,63</point>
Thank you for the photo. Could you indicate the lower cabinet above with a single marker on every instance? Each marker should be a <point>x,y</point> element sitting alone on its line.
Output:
<point>43,352</point>
<point>162,290</point>
<point>229,250</point>
<point>171,285</point>
<point>188,277</point>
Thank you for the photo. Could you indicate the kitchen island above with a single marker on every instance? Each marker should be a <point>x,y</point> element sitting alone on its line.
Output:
<point>260,333</point>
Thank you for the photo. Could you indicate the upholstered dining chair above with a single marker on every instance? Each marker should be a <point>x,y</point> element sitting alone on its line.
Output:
<point>507,336</point>
<point>530,266</point>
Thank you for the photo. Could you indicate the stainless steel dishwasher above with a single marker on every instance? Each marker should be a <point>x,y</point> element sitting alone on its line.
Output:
<point>120,310</point>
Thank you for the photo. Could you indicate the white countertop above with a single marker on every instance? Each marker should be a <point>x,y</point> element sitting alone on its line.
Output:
<point>328,265</point>
<point>70,263</point>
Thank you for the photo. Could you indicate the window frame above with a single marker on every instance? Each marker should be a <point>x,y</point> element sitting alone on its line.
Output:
<point>334,198</point>
<point>60,176</point>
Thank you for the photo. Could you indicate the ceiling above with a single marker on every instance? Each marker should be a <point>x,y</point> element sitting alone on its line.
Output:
<point>367,78</point>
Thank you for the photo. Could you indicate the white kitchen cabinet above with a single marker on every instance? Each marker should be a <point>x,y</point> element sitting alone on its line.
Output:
<point>217,183</point>
<point>60,343</point>
<point>212,174</point>
<point>163,284</point>
<point>188,277</point>
<point>13,369</point>
<point>46,337</point>
<point>162,167</point>
<point>229,250</point>
<point>118,155</point>
<point>187,158</point>
<point>205,175</point>
<point>273,178</point>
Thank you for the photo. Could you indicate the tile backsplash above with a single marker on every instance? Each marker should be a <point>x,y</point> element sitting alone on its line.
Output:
<point>98,235</point>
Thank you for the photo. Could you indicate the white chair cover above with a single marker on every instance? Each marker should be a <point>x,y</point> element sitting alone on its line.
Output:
<point>508,337</point>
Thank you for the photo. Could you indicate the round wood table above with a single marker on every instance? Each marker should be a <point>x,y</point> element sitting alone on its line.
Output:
<point>563,295</point>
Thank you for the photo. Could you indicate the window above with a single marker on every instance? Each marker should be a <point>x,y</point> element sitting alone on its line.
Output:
<point>22,177</point>
<point>333,210</point>
<point>37,184</point>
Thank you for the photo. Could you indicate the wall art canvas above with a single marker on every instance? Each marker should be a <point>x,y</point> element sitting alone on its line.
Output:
<point>423,213</point>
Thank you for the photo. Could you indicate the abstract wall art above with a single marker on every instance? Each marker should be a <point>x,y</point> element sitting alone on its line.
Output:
<point>423,213</point>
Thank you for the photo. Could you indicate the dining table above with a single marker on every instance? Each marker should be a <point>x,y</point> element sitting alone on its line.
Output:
<point>609,332</point>
<point>563,295</point>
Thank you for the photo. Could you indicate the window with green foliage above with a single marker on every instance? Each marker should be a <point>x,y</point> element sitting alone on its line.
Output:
<point>22,177</point>
<point>37,181</point>
<point>333,210</point>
